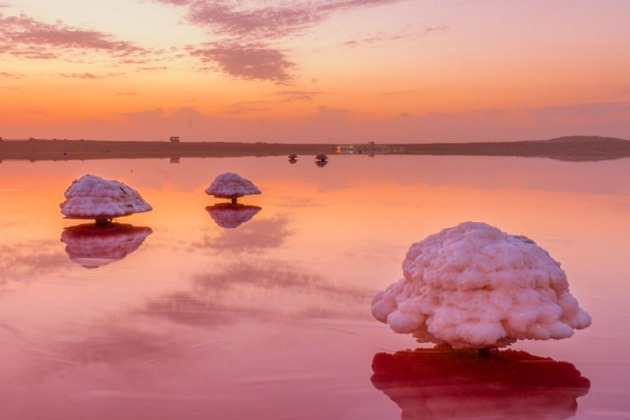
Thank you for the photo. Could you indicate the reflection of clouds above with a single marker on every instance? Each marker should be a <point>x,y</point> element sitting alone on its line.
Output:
<point>187,307</point>
<point>252,237</point>
<point>231,215</point>
<point>264,290</point>
<point>29,259</point>
<point>441,383</point>
<point>298,202</point>
<point>93,246</point>
<point>130,343</point>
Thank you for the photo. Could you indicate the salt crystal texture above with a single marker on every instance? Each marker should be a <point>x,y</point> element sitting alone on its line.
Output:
<point>231,185</point>
<point>473,285</point>
<point>92,197</point>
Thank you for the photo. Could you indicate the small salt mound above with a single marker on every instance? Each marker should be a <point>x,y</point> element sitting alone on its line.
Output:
<point>231,185</point>
<point>92,197</point>
<point>475,286</point>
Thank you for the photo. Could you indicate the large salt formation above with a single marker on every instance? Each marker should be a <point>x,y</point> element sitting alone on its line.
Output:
<point>475,286</point>
<point>92,197</point>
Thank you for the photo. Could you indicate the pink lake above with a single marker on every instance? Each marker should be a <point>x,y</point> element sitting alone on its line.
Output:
<point>267,314</point>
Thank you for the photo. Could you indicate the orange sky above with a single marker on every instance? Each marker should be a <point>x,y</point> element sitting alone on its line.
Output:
<point>329,71</point>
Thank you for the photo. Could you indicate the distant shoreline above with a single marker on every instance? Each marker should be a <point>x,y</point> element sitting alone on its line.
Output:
<point>575,148</point>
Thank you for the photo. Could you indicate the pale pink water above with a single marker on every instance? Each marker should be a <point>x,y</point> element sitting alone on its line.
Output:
<point>271,319</point>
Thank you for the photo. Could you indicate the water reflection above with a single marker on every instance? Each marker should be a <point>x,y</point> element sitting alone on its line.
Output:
<point>275,313</point>
<point>441,383</point>
<point>321,163</point>
<point>232,215</point>
<point>255,237</point>
<point>93,245</point>
<point>27,260</point>
<point>261,290</point>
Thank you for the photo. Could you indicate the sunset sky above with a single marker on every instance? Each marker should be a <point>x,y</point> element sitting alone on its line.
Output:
<point>314,71</point>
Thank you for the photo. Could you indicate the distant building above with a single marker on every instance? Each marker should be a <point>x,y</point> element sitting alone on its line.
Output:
<point>174,139</point>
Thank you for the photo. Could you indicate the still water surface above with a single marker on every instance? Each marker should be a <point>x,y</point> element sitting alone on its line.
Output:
<point>194,311</point>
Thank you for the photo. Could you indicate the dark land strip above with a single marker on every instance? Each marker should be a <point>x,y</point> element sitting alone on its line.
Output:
<point>575,148</point>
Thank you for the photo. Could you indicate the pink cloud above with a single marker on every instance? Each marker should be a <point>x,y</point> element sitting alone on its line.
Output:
<point>246,54</point>
<point>269,22</point>
<point>25,37</point>
<point>249,61</point>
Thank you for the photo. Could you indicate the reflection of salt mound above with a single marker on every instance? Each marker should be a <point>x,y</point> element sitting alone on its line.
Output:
<point>93,246</point>
<point>446,384</point>
<point>229,216</point>
<point>473,285</point>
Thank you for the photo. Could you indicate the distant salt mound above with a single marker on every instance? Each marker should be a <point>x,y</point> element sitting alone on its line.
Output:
<point>92,197</point>
<point>232,186</point>
<point>475,286</point>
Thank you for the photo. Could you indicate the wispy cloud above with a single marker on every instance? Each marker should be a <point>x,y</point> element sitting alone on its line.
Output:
<point>154,68</point>
<point>333,114</point>
<point>89,76</point>
<point>298,95</point>
<point>6,75</point>
<point>398,93</point>
<point>23,36</point>
<point>80,76</point>
<point>385,37</point>
<point>244,108</point>
<point>247,61</point>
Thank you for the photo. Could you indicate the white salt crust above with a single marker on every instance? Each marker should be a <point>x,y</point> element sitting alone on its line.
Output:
<point>473,285</point>
<point>92,197</point>
<point>231,185</point>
